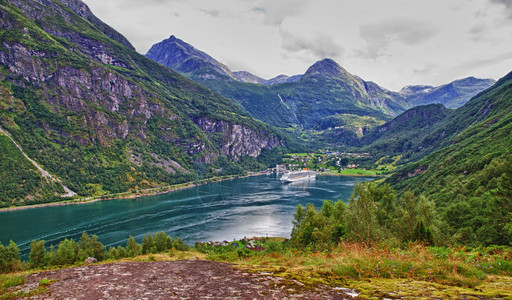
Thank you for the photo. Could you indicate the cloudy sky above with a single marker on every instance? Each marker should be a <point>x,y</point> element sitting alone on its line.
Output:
<point>391,42</point>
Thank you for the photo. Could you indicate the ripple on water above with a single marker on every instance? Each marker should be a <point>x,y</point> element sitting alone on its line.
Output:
<point>258,205</point>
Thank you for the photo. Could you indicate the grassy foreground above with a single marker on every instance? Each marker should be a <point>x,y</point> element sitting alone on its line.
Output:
<point>377,272</point>
<point>374,271</point>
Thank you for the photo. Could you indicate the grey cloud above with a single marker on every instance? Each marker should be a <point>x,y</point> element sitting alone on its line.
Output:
<point>482,62</point>
<point>258,9</point>
<point>275,12</point>
<point>427,69</point>
<point>210,12</point>
<point>477,29</point>
<point>379,35</point>
<point>507,4</point>
<point>135,4</point>
<point>320,46</point>
<point>479,32</point>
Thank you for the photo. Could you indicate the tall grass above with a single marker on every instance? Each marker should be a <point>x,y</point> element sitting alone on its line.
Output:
<point>349,260</point>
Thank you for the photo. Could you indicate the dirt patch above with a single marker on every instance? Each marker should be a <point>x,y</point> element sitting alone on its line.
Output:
<point>185,279</point>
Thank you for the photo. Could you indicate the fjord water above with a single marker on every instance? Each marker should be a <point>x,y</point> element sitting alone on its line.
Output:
<point>226,210</point>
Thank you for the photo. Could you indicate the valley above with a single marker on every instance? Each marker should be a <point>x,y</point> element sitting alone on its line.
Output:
<point>413,193</point>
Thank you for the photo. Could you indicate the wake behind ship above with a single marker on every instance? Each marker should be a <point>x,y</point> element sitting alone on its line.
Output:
<point>298,176</point>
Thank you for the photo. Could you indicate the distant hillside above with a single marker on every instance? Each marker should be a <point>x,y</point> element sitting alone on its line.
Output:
<point>422,129</point>
<point>405,133</point>
<point>470,175</point>
<point>103,118</point>
<point>452,95</point>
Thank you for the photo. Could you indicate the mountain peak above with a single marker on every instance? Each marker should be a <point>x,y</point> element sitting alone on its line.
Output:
<point>325,68</point>
<point>183,57</point>
<point>451,95</point>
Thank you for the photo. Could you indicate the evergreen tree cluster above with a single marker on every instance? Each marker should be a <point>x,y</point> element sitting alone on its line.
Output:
<point>374,213</point>
<point>69,251</point>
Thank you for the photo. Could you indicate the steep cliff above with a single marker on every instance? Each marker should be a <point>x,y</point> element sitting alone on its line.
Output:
<point>99,116</point>
<point>237,140</point>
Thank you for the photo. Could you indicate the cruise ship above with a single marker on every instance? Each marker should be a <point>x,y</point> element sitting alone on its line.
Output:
<point>298,176</point>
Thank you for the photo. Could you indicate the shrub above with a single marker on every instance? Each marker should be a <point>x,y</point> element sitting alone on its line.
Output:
<point>132,247</point>
<point>90,247</point>
<point>148,244</point>
<point>37,254</point>
<point>66,252</point>
<point>9,258</point>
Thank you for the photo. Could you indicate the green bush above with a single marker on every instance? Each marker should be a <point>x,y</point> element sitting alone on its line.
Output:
<point>37,254</point>
<point>132,247</point>
<point>66,252</point>
<point>148,244</point>
<point>9,258</point>
<point>90,247</point>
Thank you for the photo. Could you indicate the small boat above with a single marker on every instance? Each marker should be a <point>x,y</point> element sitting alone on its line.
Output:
<point>298,176</point>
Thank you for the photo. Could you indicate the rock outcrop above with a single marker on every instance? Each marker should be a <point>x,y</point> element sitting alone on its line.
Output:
<point>237,140</point>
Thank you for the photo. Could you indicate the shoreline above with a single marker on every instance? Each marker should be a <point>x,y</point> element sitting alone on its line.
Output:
<point>352,175</point>
<point>128,195</point>
<point>154,191</point>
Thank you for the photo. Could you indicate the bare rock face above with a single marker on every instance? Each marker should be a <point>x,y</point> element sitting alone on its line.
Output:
<point>79,90</point>
<point>184,279</point>
<point>182,57</point>
<point>238,140</point>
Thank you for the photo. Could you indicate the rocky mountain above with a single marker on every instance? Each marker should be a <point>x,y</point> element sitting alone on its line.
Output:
<point>184,58</point>
<point>282,79</point>
<point>452,95</point>
<point>244,76</point>
<point>300,101</point>
<point>197,65</point>
<point>328,68</point>
<point>326,89</point>
<point>102,118</point>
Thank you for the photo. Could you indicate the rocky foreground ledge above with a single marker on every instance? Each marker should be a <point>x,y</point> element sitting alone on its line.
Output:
<point>183,279</point>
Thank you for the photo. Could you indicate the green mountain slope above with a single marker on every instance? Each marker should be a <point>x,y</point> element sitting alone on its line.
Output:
<point>325,90</point>
<point>405,134</point>
<point>23,179</point>
<point>425,129</point>
<point>470,176</point>
<point>104,119</point>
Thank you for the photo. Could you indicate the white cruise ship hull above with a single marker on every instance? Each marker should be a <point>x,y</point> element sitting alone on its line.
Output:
<point>298,176</point>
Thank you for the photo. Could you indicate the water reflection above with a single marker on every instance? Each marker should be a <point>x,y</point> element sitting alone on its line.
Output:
<point>255,206</point>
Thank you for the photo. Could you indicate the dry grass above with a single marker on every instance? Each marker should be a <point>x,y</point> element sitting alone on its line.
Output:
<point>378,271</point>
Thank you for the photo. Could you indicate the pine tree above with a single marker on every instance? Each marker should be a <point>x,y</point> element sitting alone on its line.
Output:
<point>132,248</point>
<point>37,254</point>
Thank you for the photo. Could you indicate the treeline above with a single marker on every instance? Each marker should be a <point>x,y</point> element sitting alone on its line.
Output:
<point>374,213</point>
<point>69,251</point>
<point>474,197</point>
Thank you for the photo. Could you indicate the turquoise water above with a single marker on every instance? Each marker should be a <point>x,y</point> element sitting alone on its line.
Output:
<point>227,210</point>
